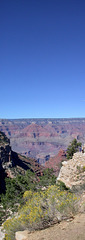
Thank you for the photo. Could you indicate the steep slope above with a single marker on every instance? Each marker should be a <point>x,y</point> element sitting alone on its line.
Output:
<point>12,163</point>
<point>5,150</point>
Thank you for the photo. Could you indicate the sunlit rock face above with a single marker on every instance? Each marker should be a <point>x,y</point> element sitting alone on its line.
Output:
<point>72,172</point>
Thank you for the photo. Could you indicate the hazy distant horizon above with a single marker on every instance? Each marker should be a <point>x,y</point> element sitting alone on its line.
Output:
<point>49,118</point>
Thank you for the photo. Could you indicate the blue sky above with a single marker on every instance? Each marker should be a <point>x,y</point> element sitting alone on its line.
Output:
<point>42,58</point>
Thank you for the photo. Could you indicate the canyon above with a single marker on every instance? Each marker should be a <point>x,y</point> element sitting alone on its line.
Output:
<point>42,138</point>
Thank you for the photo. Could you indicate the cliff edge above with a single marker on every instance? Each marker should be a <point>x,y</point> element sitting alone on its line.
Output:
<point>72,172</point>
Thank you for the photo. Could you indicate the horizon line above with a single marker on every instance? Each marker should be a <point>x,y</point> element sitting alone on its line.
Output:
<point>21,118</point>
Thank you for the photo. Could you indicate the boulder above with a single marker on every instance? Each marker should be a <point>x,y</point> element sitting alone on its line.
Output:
<point>22,235</point>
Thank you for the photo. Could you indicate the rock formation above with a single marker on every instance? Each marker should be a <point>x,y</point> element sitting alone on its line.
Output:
<point>72,172</point>
<point>5,151</point>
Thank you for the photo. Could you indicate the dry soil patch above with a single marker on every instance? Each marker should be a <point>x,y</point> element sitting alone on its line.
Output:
<point>66,230</point>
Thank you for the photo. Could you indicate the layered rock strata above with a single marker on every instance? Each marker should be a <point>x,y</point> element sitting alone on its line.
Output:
<point>38,138</point>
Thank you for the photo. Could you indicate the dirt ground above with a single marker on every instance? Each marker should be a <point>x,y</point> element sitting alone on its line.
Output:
<point>66,230</point>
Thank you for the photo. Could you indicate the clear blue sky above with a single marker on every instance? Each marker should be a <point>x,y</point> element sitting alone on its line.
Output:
<point>42,58</point>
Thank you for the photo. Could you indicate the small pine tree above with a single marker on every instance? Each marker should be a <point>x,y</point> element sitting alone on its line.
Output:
<point>73,148</point>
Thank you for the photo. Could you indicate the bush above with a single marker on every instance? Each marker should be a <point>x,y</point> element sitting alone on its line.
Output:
<point>16,187</point>
<point>48,178</point>
<point>41,209</point>
<point>62,186</point>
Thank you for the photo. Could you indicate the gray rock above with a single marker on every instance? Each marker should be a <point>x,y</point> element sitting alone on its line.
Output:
<point>22,235</point>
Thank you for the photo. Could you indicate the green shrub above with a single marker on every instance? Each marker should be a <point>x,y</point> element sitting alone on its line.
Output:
<point>48,178</point>
<point>41,208</point>
<point>62,186</point>
<point>73,148</point>
<point>16,187</point>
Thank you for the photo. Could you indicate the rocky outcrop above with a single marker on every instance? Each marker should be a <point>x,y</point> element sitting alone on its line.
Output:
<point>5,155</point>
<point>5,160</point>
<point>5,152</point>
<point>72,172</point>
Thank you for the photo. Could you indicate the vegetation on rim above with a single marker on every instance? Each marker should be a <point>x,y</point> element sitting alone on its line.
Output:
<point>73,148</point>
